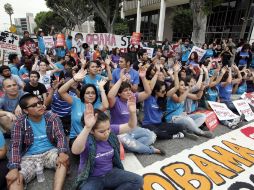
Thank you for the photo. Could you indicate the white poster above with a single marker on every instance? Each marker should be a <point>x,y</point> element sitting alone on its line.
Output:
<point>200,52</point>
<point>243,108</point>
<point>48,41</point>
<point>101,39</point>
<point>223,163</point>
<point>222,111</point>
<point>9,41</point>
<point>149,51</point>
<point>249,98</point>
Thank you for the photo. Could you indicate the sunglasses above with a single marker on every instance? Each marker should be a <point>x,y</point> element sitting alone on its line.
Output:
<point>35,104</point>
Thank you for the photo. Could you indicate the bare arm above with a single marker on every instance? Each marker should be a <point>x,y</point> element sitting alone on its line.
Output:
<point>181,98</point>
<point>229,79</point>
<point>172,91</point>
<point>147,90</point>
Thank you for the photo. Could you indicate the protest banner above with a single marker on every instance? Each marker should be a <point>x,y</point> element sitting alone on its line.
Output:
<point>149,51</point>
<point>200,52</point>
<point>226,162</point>
<point>243,108</point>
<point>222,111</point>
<point>60,40</point>
<point>48,41</point>
<point>211,119</point>
<point>9,41</point>
<point>135,38</point>
<point>101,39</point>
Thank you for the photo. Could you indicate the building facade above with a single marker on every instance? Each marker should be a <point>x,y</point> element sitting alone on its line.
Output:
<point>25,24</point>
<point>153,18</point>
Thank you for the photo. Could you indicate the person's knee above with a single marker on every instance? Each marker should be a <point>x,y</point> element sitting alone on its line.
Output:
<point>137,181</point>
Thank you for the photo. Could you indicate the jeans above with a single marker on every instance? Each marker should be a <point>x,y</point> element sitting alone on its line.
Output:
<point>165,130</point>
<point>138,140</point>
<point>191,122</point>
<point>116,179</point>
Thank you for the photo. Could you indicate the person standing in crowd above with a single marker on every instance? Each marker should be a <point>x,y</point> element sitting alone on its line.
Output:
<point>115,56</point>
<point>100,165</point>
<point>30,138</point>
<point>244,57</point>
<point>105,52</point>
<point>96,53</point>
<point>25,70</point>
<point>186,49</point>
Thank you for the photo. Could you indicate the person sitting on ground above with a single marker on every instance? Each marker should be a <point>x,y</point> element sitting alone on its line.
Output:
<point>38,140</point>
<point>100,165</point>
<point>13,63</point>
<point>9,104</point>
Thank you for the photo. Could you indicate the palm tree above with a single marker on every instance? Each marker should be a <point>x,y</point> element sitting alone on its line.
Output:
<point>9,10</point>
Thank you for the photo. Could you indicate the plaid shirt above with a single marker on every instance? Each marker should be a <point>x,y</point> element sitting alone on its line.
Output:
<point>22,137</point>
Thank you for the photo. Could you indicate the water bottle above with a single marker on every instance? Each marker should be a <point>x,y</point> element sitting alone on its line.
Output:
<point>39,172</point>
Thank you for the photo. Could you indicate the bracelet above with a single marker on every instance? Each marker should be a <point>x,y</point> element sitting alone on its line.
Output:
<point>74,79</point>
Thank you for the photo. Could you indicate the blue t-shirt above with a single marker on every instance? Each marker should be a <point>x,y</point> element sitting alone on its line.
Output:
<point>41,45</point>
<point>8,104</point>
<point>212,95</point>
<point>77,109</point>
<point>2,140</point>
<point>59,66</point>
<point>14,69</point>
<point>41,142</point>
<point>24,74</point>
<point>225,92</point>
<point>242,88</point>
<point>68,44</point>
<point>173,109</point>
<point>152,112</point>
<point>243,60</point>
<point>134,76</point>
<point>60,52</point>
<point>186,53</point>
<point>209,53</point>
<point>61,107</point>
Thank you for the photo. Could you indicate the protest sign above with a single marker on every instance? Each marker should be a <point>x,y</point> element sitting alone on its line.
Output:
<point>226,162</point>
<point>211,119</point>
<point>249,98</point>
<point>48,41</point>
<point>60,40</point>
<point>200,52</point>
<point>149,51</point>
<point>243,108</point>
<point>135,38</point>
<point>101,39</point>
<point>9,41</point>
<point>222,111</point>
<point>29,47</point>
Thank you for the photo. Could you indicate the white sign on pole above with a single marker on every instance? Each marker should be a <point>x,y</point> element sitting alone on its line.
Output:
<point>243,108</point>
<point>222,111</point>
<point>9,41</point>
<point>200,52</point>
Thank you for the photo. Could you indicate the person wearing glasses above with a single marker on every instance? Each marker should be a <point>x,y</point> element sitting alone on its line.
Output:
<point>9,103</point>
<point>37,139</point>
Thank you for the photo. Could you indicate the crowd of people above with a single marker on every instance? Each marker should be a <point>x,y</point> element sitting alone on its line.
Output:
<point>57,102</point>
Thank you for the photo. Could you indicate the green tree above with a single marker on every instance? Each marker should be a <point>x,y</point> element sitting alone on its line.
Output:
<point>45,20</point>
<point>9,10</point>
<point>182,21</point>
<point>200,10</point>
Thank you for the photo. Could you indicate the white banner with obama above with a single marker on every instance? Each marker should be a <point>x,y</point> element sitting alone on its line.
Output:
<point>225,162</point>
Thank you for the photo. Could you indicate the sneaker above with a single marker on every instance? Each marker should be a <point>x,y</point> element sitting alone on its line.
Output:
<point>207,134</point>
<point>178,135</point>
<point>191,136</point>
<point>238,119</point>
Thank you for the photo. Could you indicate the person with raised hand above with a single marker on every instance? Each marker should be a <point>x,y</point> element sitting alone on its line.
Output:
<point>100,165</point>
<point>88,94</point>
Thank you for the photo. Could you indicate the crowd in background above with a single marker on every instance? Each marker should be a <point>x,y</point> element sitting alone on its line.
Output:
<point>60,101</point>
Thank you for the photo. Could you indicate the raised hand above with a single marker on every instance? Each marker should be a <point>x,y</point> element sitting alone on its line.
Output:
<point>89,117</point>
<point>132,103</point>
<point>223,70</point>
<point>80,75</point>
<point>101,84</point>
<point>142,72</point>
<point>83,62</point>
<point>176,67</point>
<point>107,62</point>
<point>122,75</point>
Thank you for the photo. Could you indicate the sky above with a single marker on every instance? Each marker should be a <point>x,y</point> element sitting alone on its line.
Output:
<point>20,8</point>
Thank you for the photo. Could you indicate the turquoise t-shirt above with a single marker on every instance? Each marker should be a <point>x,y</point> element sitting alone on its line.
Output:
<point>41,142</point>
<point>77,109</point>
<point>59,66</point>
<point>173,109</point>
<point>242,88</point>
<point>2,140</point>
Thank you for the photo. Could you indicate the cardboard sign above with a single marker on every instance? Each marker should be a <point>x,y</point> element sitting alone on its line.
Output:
<point>101,39</point>
<point>135,38</point>
<point>223,163</point>
<point>29,48</point>
<point>249,98</point>
<point>222,111</point>
<point>49,41</point>
<point>60,40</point>
<point>243,108</point>
<point>200,52</point>
<point>149,51</point>
<point>9,41</point>
<point>211,119</point>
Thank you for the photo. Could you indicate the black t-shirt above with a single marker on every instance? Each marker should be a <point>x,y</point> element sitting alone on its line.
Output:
<point>36,90</point>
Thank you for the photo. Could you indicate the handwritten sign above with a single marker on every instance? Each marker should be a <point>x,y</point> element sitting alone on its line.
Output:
<point>149,51</point>
<point>9,41</point>
<point>222,111</point>
<point>243,108</point>
<point>48,41</point>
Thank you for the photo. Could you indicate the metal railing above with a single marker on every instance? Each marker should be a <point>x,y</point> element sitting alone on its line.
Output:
<point>129,5</point>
